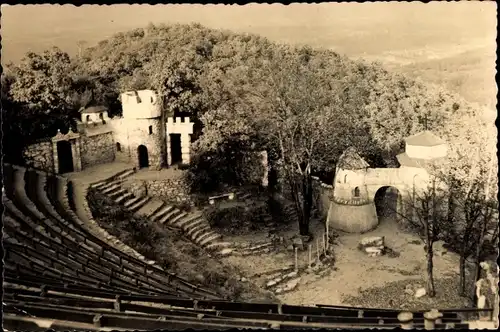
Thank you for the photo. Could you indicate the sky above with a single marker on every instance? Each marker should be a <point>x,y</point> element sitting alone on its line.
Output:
<point>357,29</point>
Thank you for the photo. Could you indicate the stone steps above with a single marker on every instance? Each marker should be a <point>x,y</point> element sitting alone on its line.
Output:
<point>191,217</point>
<point>175,220</point>
<point>257,249</point>
<point>116,193</point>
<point>193,222</point>
<point>198,231</point>
<point>218,245</point>
<point>281,279</point>
<point>110,189</point>
<point>125,174</point>
<point>131,202</point>
<point>156,211</point>
<point>168,215</point>
<point>102,184</point>
<point>151,206</point>
<point>211,236</point>
<point>161,212</point>
<point>124,197</point>
<point>108,184</point>
<point>195,226</point>
<point>143,201</point>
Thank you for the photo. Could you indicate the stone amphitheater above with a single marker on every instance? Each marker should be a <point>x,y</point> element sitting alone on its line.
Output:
<point>62,271</point>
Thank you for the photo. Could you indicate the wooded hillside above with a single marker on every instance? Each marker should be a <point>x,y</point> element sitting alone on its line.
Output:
<point>234,78</point>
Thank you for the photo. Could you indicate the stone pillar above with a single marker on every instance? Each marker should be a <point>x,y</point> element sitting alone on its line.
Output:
<point>185,148</point>
<point>56,157</point>
<point>431,318</point>
<point>406,320</point>
<point>168,149</point>
<point>75,151</point>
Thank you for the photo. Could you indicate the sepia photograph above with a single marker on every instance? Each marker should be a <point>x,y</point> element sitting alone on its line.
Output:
<point>254,166</point>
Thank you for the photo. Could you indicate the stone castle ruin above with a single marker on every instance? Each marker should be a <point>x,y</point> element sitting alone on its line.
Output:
<point>356,199</point>
<point>142,136</point>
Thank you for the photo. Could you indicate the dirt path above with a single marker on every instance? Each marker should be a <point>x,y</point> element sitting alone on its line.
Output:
<point>97,173</point>
<point>355,271</point>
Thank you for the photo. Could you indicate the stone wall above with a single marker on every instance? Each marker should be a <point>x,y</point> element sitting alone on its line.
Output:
<point>97,149</point>
<point>173,190</point>
<point>322,196</point>
<point>40,156</point>
<point>353,218</point>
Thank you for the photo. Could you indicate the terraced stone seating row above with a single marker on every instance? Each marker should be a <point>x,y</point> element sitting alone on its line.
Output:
<point>43,237</point>
<point>152,312</point>
<point>193,224</point>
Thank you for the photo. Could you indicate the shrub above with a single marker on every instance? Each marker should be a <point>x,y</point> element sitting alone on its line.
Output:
<point>230,164</point>
<point>237,216</point>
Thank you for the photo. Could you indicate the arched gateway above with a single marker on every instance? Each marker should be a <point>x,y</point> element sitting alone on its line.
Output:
<point>362,196</point>
<point>143,157</point>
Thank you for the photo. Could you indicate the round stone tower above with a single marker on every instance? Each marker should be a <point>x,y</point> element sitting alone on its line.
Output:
<point>140,131</point>
<point>352,209</point>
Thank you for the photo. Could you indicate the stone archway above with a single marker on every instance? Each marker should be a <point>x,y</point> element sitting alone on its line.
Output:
<point>65,157</point>
<point>143,157</point>
<point>388,202</point>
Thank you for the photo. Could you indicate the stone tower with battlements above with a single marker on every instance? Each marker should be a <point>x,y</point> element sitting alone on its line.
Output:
<point>139,133</point>
<point>141,136</point>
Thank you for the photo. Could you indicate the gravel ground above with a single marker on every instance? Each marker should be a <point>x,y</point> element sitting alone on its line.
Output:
<point>392,295</point>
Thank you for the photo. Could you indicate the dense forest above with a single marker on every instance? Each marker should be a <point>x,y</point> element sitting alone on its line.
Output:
<point>304,105</point>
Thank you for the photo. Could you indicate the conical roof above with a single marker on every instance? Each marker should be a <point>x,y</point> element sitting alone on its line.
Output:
<point>424,138</point>
<point>351,160</point>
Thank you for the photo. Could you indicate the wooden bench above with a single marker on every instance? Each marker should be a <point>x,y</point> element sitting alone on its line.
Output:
<point>212,199</point>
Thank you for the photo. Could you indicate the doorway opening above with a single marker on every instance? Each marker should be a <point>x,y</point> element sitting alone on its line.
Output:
<point>65,157</point>
<point>387,200</point>
<point>175,148</point>
<point>142,152</point>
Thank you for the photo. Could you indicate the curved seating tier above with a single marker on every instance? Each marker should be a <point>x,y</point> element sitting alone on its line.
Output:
<point>55,233</point>
<point>61,275</point>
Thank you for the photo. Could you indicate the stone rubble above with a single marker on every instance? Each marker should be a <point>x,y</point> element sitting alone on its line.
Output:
<point>420,293</point>
<point>373,246</point>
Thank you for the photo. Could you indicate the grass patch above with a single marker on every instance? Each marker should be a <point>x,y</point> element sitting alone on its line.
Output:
<point>393,296</point>
<point>173,251</point>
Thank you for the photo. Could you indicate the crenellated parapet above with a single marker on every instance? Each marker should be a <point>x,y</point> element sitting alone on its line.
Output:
<point>141,104</point>
<point>94,116</point>
<point>180,125</point>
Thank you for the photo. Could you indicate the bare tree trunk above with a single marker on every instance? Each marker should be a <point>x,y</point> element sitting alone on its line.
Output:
<point>430,266</point>
<point>431,218</point>
<point>461,290</point>
<point>429,254</point>
<point>464,253</point>
<point>477,258</point>
<point>307,203</point>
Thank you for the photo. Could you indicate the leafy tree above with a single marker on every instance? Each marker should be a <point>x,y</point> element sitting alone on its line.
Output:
<point>175,80</point>
<point>43,82</point>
